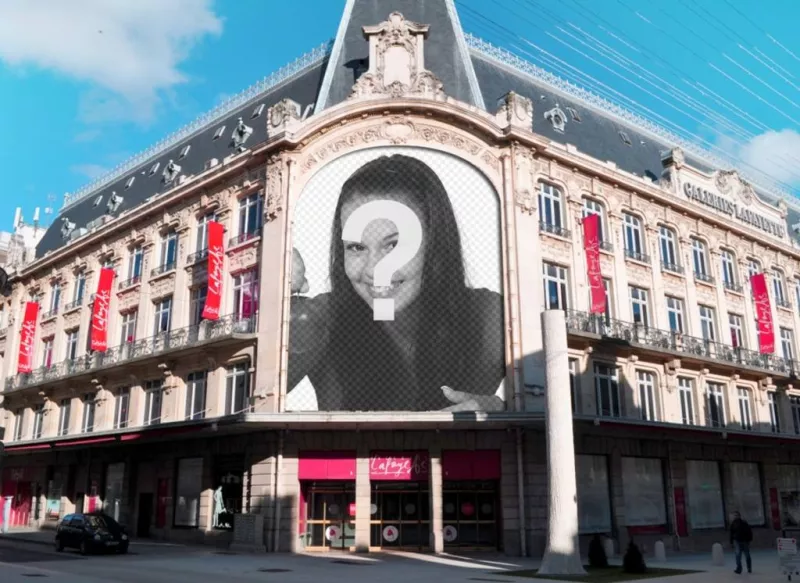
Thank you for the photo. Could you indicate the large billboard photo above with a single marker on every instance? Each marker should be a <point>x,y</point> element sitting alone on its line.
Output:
<point>396,287</point>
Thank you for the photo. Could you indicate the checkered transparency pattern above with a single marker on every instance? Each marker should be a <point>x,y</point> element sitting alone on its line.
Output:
<point>448,326</point>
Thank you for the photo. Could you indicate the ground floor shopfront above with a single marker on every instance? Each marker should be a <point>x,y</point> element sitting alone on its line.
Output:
<point>415,490</point>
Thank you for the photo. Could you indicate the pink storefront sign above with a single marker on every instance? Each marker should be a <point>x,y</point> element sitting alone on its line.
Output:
<point>413,466</point>
<point>327,465</point>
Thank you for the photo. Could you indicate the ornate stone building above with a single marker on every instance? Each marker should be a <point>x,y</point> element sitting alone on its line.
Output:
<point>195,429</point>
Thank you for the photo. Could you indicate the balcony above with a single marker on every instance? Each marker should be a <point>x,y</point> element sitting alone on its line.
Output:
<point>557,230</point>
<point>782,303</point>
<point>244,238</point>
<point>704,277</point>
<point>162,269</point>
<point>672,268</point>
<point>193,258</point>
<point>681,345</point>
<point>637,256</point>
<point>208,331</point>
<point>49,315</point>
<point>74,305</point>
<point>130,282</point>
<point>607,246</point>
<point>733,287</point>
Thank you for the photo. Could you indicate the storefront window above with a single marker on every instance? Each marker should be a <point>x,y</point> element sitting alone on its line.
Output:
<point>188,489</point>
<point>227,499</point>
<point>330,514</point>
<point>643,492</point>
<point>746,492</point>
<point>400,515</point>
<point>470,511</point>
<point>54,490</point>
<point>705,494</point>
<point>790,494</point>
<point>112,505</point>
<point>594,503</point>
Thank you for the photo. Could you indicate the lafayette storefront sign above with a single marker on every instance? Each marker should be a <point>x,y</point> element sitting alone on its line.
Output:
<point>731,208</point>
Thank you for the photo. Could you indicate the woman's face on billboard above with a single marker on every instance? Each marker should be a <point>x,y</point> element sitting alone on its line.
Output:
<point>379,239</point>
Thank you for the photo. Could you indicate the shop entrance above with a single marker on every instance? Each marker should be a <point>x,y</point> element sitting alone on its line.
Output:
<point>20,494</point>
<point>400,515</point>
<point>330,515</point>
<point>470,514</point>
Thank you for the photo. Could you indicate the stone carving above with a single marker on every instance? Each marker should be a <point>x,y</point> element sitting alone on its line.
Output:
<point>515,111</point>
<point>396,62</point>
<point>729,182</point>
<point>274,194</point>
<point>673,157</point>
<point>72,320</point>
<point>556,250</point>
<point>526,200</point>
<point>48,328</point>
<point>557,117</point>
<point>282,117</point>
<point>163,286</point>
<point>243,259</point>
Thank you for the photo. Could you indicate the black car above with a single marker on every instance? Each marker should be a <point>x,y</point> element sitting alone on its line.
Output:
<point>95,532</point>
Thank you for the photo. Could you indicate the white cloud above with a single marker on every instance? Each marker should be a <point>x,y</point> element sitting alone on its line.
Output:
<point>129,50</point>
<point>776,154</point>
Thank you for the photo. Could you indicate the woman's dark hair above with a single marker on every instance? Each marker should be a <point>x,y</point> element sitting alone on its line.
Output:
<point>363,354</point>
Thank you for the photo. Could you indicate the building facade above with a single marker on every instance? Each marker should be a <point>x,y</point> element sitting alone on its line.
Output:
<point>306,414</point>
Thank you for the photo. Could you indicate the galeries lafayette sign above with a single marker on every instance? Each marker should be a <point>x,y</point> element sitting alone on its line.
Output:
<point>729,207</point>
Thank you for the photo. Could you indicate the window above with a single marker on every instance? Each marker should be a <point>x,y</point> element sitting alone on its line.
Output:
<point>19,420</point>
<point>245,294</point>
<point>87,423</point>
<point>258,110</point>
<point>607,390</point>
<point>152,402</point>
<point>779,288</point>
<point>794,403</point>
<point>774,412</point>
<point>47,353</point>
<point>686,395</point>
<point>632,235</point>
<point>64,415</point>
<point>704,489</point>
<point>219,132</point>
<point>625,138</point>
<point>250,214</point>
<point>128,333</point>
<point>154,168</point>
<point>187,492</point>
<point>135,262</point>
<point>639,309</point>
<point>746,493</point>
<point>797,292</point>
<point>607,288</point>
<point>122,408</point>
<point>753,267</point>
<point>737,335</point>
<point>707,327</point>
<point>38,421</point>
<point>237,388</point>
<point>715,393</point>
<point>700,260</point>
<point>55,297</point>
<point>163,319</point>
<point>728,265</point>
<point>675,314</point>
<point>745,408</point>
<point>197,300</point>
<point>787,343</point>
<point>594,500</point>
<point>593,207</point>
<point>184,151</point>
<point>196,395</point>
<point>647,396</point>
<point>573,382</point>
<point>72,344</point>
<point>555,287</point>
<point>669,249</point>
<point>79,287</point>
<point>550,211</point>
<point>169,249</point>
<point>643,492</point>
<point>202,231</point>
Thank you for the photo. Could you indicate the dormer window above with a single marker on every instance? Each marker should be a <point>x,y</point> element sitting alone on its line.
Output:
<point>129,182</point>
<point>170,172</point>
<point>240,134</point>
<point>219,132</point>
<point>258,110</point>
<point>67,227</point>
<point>185,151</point>
<point>98,200</point>
<point>573,113</point>
<point>557,117</point>
<point>154,168</point>
<point>113,202</point>
<point>624,137</point>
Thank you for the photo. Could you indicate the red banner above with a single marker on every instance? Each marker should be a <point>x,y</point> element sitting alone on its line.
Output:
<point>26,337</point>
<point>680,512</point>
<point>215,258</point>
<point>102,301</point>
<point>766,333</point>
<point>591,245</point>
<point>775,508</point>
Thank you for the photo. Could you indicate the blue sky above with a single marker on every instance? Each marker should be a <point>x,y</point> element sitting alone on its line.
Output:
<point>86,84</point>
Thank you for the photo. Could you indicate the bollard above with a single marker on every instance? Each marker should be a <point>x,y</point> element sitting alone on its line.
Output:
<point>608,545</point>
<point>659,552</point>
<point>717,555</point>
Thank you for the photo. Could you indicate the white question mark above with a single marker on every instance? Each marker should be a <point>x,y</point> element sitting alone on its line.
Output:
<point>409,240</point>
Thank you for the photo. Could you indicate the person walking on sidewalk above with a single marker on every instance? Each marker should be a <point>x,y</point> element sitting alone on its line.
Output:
<point>741,537</point>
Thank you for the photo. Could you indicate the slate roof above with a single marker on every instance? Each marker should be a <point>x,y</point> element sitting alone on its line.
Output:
<point>472,71</point>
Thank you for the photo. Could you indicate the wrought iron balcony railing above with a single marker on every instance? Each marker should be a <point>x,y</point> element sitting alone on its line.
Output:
<point>607,246</point>
<point>637,256</point>
<point>130,282</point>
<point>244,237</point>
<point>783,304</point>
<point>207,330</point>
<point>554,229</point>
<point>166,267</point>
<point>671,267</point>
<point>668,340</point>
<point>732,286</point>
<point>50,314</point>
<point>74,305</point>
<point>193,258</point>
<point>699,276</point>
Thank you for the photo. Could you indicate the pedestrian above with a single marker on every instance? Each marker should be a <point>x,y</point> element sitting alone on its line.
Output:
<point>741,537</point>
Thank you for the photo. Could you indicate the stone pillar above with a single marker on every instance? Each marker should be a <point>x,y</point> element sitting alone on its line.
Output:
<point>363,501</point>
<point>437,519</point>
<point>562,554</point>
